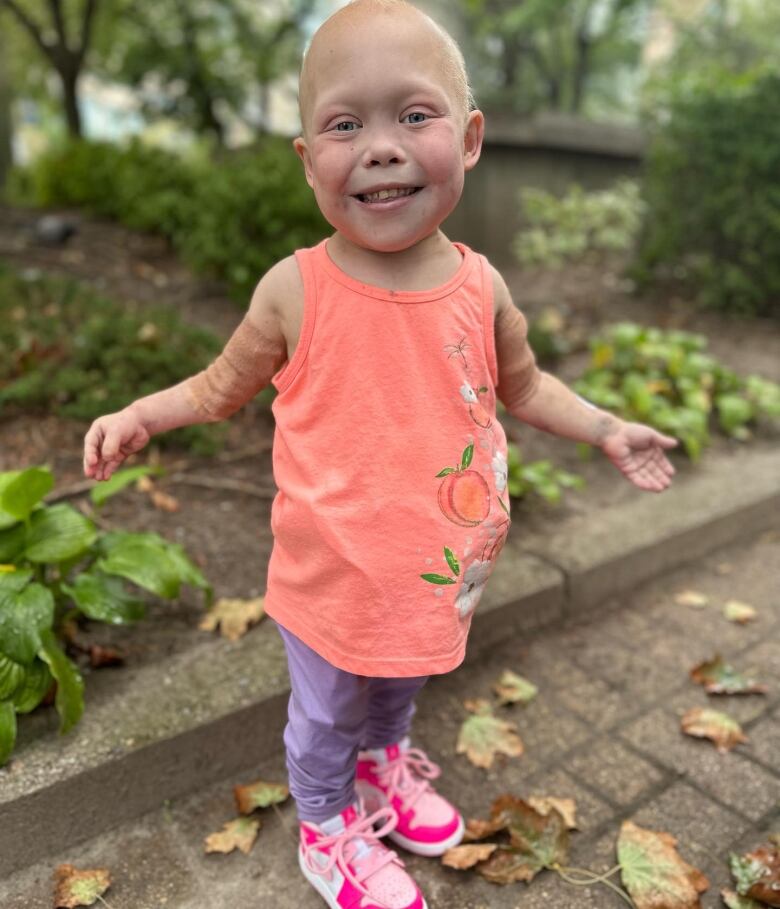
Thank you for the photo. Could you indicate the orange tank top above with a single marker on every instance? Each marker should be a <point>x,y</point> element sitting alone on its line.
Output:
<point>392,501</point>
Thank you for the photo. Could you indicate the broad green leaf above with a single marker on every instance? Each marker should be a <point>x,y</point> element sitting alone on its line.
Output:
<point>702,722</point>
<point>37,681</point>
<point>22,494</point>
<point>483,735</point>
<point>6,478</point>
<point>23,616</point>
<point>653,872</point>
<point>7,730</point>
<point>12,542</point>
<point>437,579</point>
<point>12,582</point>
<point>452,560</point>
<point>57,533</point>
<point>189,573</point>
<point>104,597</point>
<point>11,676</point>
<point>118,481</point>
<point>259,795</point>
<point>69,699</point>
<point>719,677</point>
<point>468,454</point>
<point>146,563</point>
<point>512,688</point>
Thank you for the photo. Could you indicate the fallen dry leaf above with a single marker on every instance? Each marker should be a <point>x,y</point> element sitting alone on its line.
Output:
<point>723,568</point>
<point>653,872</point>
<point>513,689</point>
<point>734,901</point>
<point>757,874</point>
<point>724,731</point>
<point>719,677</point>
<point>691,598</point>
<point>163,501</point>
<point>567,808</point>
<point>483,735</point>
<point>240,833</point>
<point>104,656</point>
<point>234,616</point>
<point>462,857</point>
<point>739,612</point>
<point>79,888</point>
<point>259,795</point>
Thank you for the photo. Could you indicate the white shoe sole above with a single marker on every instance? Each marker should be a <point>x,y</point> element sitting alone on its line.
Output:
<point>321,885</point>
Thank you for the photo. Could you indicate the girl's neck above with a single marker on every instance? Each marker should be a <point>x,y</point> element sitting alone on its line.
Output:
<point>428,264</point>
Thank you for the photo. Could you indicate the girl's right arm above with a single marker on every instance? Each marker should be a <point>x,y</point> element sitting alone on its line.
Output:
<point>255,352</point>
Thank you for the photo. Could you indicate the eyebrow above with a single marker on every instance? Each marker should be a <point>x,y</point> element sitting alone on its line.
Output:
<point>404,90</point>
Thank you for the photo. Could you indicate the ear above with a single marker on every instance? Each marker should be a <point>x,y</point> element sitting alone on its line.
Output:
<point>302,151</point>
<point>472,139</point>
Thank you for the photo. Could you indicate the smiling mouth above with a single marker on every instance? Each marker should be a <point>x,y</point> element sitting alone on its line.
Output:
<point>384,194</point>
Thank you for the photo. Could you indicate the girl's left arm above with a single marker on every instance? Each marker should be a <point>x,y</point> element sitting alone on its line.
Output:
<point>538,398</point>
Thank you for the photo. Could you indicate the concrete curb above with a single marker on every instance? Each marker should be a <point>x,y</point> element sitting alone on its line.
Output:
<point>159,732</point>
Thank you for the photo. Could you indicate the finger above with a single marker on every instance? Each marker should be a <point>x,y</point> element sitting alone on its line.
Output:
<point>666,441</point>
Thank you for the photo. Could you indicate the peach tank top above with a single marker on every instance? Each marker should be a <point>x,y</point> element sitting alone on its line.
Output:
<point>391,470</point>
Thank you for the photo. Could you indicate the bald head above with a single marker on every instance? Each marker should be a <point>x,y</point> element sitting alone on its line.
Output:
<point>353,18</point>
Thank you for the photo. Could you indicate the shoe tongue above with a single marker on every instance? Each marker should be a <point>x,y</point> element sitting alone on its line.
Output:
<point>339,823</point>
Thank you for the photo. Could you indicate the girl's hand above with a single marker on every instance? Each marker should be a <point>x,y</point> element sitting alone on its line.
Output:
<point>110,440</point>
<point>638,452</point>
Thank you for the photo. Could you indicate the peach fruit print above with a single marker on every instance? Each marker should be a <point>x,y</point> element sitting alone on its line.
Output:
<point>477,412</point>
<point>464,495</point>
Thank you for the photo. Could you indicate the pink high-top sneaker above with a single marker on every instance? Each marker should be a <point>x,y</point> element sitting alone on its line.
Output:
<point>345,862</point>
<point>397,776</point>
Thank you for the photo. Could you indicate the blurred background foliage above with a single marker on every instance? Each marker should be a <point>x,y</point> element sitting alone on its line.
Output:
<point>195,105</point>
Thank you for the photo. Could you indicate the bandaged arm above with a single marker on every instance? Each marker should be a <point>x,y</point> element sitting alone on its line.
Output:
<point>536,397</point>
<point>253,354</point>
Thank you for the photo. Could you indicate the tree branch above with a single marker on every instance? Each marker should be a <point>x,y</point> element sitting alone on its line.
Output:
<point>32,27</point>
<point>59,23</point>
<point>86,27</point>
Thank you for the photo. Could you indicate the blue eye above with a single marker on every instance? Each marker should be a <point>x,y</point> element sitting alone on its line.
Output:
<point>347,123</point>
<point>417,113</point>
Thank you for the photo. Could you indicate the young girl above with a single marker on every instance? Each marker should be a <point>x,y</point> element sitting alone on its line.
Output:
<point>387,344</point>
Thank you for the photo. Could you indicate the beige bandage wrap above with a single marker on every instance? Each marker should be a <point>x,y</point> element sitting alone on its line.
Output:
<point>245,366</point>
<point>518,374</point>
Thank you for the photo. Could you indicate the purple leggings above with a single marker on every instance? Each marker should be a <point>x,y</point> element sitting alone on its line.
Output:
<point>332,715</point>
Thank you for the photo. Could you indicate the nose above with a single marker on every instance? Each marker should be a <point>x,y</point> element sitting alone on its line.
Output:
<point>382,149</point>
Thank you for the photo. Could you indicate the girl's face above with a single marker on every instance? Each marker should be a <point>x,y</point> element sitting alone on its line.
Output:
<point>384,119</point>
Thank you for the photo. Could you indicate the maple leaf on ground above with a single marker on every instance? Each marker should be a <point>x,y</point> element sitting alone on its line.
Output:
<point>462,857</point>
<point>536,841</point>
<point>734,901</point>
<point>719,677</point>
<point>653,872</point>
<point>512,688</point>
<point>79,888</point>
<point>240,833</point>
<point>259,795</point>
<point>741,613</point>
<point>567,808</point>
<point>757,873</point>
<point>704,723</point>
<point>233,616</point>
<point>484,735</point>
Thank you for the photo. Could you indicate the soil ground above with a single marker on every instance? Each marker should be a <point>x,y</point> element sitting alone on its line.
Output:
<point>227,530</point>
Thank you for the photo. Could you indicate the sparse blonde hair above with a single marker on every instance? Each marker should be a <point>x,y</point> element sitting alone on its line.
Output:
<point>454,65</point>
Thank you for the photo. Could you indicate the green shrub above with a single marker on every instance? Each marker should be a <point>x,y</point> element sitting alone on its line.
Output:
<point>67,351</point>
<point>230,217</point>
<point>669,381</point>
<point>566,229</point>
<point>56,565</point>
<point>713,193</point>
<point>541,478</point>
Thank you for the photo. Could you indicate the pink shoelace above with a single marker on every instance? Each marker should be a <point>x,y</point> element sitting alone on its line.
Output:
<point>399,775</point>
<point>344,848</point>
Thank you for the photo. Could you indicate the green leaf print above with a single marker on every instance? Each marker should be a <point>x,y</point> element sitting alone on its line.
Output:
<point>443,473</point>
<point>501,503</point>
<point>482,389</point>
<point>452,561</point>
<point>468,454</point>
<point>437,579</point>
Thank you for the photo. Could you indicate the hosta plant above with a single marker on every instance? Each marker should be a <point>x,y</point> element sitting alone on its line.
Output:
<point>56,565</point>
<point>540,477</point>
<point>668,380</point>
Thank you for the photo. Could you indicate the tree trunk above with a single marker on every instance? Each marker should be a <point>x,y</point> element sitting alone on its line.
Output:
<point>69,78</point>
<point>6,126</point>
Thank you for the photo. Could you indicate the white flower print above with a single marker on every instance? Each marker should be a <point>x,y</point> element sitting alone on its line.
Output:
<point>474,580</point>
<point>468,393</point>
<point>500,470</point>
